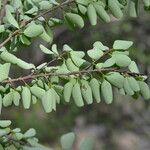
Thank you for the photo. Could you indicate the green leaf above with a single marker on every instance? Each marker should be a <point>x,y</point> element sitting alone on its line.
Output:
<point>4,132</point>
<point>5,123</point>
<point>16,98</point>
<point>2,28</point>
<point>32,11</point>
<point>16,130</point>
<point>10,8</point>
<point>86,91</point>
<point>67,141</point>
<point>37,91</point>
<point>45,50</point>
<point>79,54</point>
<point>57,97</point>
<point>67,91</point>
<point>115,9</point>
<point>67,48</point>
<point>109,62</point>
<point>75,19</point>
<point>59,89</point>
<point>34,99</point>
<point>11,19</point>
<point>54,2</point>
<point>95,53</point>
<point>26,97</point>
<point>40,83</point>
<point>92,14</point>
<point>69,23</point>
<point>47,35</point>
<point>33,30</point>
<point>101,12</point>
<point>99,66</point>
<point>144,89</point>
<point>99,45</point>
<point>77,96</point>
<point>18,136</point>
<point>8,57</point>
<point>63,68</point>
<point>77,60</point>
<point>54,79</point>
<point>8,99</point>
<point>54,49</point>
<point>95,86</point>
<point>115,79</point>
<point>2,49</point>
<point>87,144</point>
<point>30,133</point>
<point>122,92</point>
<point>71,66</point>
<point>33,142</point>
<point>50,69</point>
<point>24,65</point>
<point>133,67</point>
<point>4,71</point>
<point>121,52</point>
<point>42,66</point>
<point>47,101</point>
<point>121,60</point>
<point>82,9</point>
<point>133,8</point>
<point>54,22</point>
<point>122,45</point>
<point>127,87</point>
<point>107,93</point>
<point>134,84</point>
<point>44,5</point>
<point>25,40</point>
<point>146,3</point>
<point>54,99</point>
<point>17,4</point>
<point>83,2</point>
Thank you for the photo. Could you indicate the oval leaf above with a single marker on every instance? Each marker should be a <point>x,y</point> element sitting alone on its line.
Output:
<point>33,30</point>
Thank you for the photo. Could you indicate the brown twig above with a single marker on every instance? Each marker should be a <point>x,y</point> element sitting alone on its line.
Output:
<point>9,38</point>
<point>53,60</point>
<point>36,17</point>
<point>34,76</point>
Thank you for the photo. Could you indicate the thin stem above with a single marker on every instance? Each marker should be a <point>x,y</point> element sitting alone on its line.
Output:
<point>53,60</point>
<point>34,76</point>
<point>9,38</point>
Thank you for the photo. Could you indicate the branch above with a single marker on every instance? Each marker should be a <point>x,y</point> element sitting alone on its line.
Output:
<point>36,17</point>
<point>9,38</point>
<point>34,76</point>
